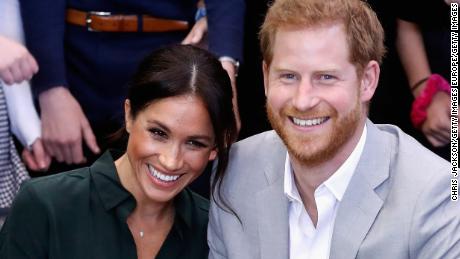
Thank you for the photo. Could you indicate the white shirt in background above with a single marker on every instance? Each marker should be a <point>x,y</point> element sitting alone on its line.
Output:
<point>24,120</point>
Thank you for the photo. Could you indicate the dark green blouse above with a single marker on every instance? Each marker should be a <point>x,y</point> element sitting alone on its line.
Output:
<point>82,214</point>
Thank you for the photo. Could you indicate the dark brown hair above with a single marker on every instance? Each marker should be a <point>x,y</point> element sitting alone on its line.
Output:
<point>186,70</point>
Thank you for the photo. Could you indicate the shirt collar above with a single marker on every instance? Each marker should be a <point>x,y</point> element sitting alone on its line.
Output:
<point>106,180</point>
<point>339,180</point>
<point>113,194</point>
<point>290,190</point>
<point>183,204</point>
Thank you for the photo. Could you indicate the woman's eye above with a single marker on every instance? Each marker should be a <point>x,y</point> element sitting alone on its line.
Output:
<point>197,144</point>
<point>158,133</point>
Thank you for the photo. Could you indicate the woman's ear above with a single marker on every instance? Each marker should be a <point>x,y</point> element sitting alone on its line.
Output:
<point>128,119</point>
<point>213,154</point>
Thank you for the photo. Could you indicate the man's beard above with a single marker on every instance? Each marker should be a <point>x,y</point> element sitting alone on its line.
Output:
<point>312,149</point>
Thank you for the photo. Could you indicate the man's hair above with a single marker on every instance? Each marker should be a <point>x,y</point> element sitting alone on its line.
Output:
<point>362,28</point>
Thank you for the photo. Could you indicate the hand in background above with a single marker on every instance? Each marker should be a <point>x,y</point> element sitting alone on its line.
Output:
<point>230,68</point>
<point>196,37</point>
<point>196,34</point>
<point>65,126</point>
<point>437,125</point>
<point>36,158</point>
<point>16,63</point>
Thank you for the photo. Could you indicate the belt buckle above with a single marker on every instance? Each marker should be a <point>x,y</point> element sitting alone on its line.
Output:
<point>89,20</point>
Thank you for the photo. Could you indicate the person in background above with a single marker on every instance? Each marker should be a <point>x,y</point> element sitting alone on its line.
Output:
<point>327,182</point>
<point>250,77</point>
<point>17,66</point>
<point>136,204</point>
<point>423,47</point>
<point>88,50</point>
<point>17,112</point>
<point>251,99</point>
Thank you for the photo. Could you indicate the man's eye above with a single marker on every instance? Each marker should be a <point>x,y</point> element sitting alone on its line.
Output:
<point>327,77</point>
<point>288,76</point>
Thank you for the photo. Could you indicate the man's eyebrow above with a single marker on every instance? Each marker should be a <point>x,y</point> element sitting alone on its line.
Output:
<point>326,71</point>
<point>282,69</point>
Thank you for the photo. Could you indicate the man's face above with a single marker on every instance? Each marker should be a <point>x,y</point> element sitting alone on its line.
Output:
<point>314,95</point>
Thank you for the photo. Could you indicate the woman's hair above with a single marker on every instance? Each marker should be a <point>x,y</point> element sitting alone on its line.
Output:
<point>186,70</point>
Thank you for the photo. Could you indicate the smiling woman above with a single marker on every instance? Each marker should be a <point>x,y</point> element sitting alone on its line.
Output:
<point>136,204</point>
<point>170,143</point>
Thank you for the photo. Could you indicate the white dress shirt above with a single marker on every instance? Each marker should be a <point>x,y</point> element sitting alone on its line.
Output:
<point>24,120</point>
<point>306,241</point>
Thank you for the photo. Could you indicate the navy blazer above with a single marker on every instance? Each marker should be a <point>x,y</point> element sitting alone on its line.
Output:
<point>96,66</point>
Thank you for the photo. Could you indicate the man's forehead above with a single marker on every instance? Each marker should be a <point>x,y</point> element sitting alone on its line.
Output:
<point>309,41</point>
<point>291,35</point>
<point>317,26</point>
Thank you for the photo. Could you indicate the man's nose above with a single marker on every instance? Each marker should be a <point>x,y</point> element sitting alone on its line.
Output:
<point>305,96</point>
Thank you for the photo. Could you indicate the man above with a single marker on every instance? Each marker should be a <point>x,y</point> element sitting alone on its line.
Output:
<point>88,50</point>
<point>328,183</point>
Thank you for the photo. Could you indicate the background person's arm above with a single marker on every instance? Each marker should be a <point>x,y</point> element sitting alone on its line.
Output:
<point>64,125</point>
<point>413,57</point>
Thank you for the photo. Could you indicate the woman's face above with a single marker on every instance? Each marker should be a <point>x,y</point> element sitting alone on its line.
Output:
<point>170,143</point>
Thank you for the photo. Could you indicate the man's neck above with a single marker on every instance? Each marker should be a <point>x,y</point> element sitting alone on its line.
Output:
<point>309,177</point>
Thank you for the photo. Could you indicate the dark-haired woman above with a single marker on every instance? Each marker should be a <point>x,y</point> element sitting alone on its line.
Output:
<point>135,204</point>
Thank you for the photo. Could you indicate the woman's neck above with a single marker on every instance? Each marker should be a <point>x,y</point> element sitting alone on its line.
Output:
<point>145,207</point>
<point>151,221</point>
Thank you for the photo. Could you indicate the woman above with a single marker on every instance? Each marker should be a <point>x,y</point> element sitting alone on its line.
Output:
<point>178,117</point>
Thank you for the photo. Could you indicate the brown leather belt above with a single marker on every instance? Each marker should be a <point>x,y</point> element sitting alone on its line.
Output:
<point>107,22</point>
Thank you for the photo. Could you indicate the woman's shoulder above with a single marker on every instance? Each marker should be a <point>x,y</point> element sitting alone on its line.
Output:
<point>194,204</point>
<point>59,186</point>
<point>200,203</point>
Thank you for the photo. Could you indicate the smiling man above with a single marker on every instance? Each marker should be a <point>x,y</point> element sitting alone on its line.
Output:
<point>327,182</point>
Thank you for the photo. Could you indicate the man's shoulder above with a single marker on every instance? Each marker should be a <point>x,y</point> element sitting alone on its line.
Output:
<point>414,191</point>
<point>413,166</point>
<point>257,152</point>
<point>254,159</point>
<point>410,152</point>
<point>258,144</point>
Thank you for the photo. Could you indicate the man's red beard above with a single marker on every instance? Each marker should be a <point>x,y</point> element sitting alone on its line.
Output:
<point>312,149</point>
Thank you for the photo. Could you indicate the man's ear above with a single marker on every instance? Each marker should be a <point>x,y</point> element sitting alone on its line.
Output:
<point>369,81</point>
<point>128,119</point>
<point>265,69</point>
